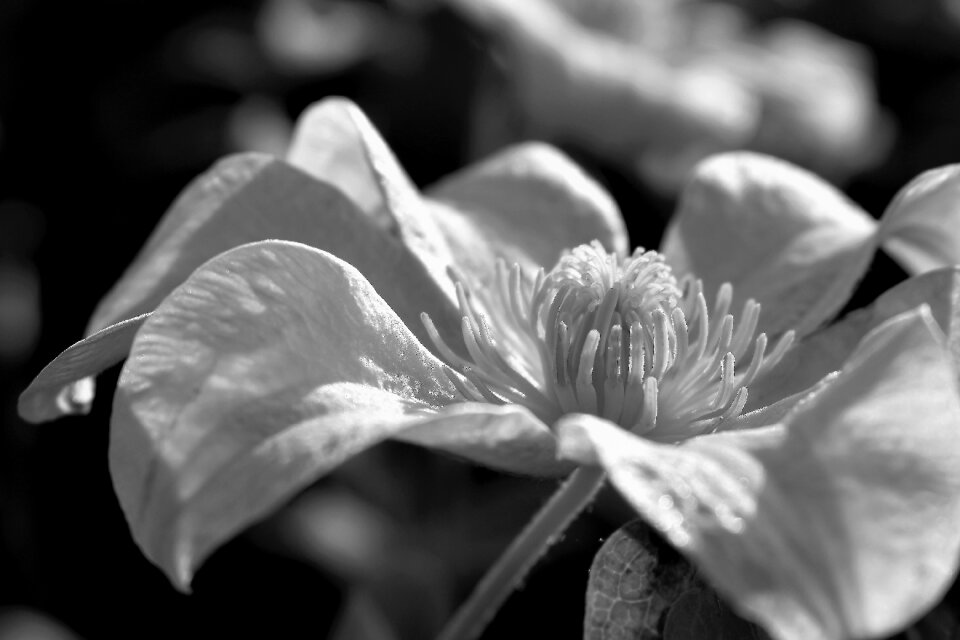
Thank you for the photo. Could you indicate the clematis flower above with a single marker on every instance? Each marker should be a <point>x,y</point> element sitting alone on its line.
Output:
<point>657,86</point>
<point>500,317</point>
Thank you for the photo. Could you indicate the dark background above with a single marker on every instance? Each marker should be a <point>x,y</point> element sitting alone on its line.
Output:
<point>107,109</point>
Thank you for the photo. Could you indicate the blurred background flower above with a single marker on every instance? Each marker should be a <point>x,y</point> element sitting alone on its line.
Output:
<point>657,85</point>
<point>109,108</point>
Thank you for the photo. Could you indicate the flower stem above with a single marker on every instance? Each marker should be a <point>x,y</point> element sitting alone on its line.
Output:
<point>546,528</point>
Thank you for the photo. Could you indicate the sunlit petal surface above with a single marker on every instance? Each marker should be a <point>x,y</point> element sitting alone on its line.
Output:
<point>334,141</point>
<point>505,437</point>
<point>241,199</point>
<point>843,520</point>
<point>66,386</point>
<point>271,365</point>
<point>921,227</point>
<point>826,350</point>
<point>530,203</point>
<point>777,233</point>
<point>527,203</point>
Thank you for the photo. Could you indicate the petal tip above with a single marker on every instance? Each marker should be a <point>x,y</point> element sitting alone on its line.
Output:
<point>38,404</point>
<point>327,105</point>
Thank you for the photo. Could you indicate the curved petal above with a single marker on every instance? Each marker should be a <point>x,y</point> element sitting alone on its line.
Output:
<point>526,204</point>
<point>252,197</point>
<point>530,203</point>
<point>777,233</point>
<point>921,227</point>
<point>842,522</point>
<point>155,271</point>
<point>808,362</point>
<point>65,386</point>
<point>335,142</point>
<point>940,290</point>
<point>269,366</point>
<point>507,437</point>
<point>826,350</point>
<point>772,412</point>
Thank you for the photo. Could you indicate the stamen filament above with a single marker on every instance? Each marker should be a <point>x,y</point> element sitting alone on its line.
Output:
<point>746,328</point>
<point>614,337</point>
<point>586,393</point>
<point>471,374</point>
<point>661,345</point>
<point>648,416</point>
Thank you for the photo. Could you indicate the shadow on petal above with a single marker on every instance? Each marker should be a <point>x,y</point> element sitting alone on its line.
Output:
<point>504,437</point>
<point>272,364</point>
<point>843,521</point>
<point>826,350</point>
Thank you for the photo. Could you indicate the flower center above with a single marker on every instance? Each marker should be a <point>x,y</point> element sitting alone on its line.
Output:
<point>616,337</point>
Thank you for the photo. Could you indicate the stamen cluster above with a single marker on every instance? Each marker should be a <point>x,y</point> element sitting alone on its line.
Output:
<point>616,337</point>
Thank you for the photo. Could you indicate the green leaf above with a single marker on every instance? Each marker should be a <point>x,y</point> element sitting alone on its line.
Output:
<point>634,579</point>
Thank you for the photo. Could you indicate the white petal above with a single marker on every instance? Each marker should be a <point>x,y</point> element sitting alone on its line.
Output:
<point>529,203</point>
<point>777,233</point>
<point>66,386</point>
<point>826,350</point>
<point>335,142</point>
<point>921,227</point>
<point>843,522</point>
<point>270,366</point>
<point>505,437</point>
<point>252,197</point>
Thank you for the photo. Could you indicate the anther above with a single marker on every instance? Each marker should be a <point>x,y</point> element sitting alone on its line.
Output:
<point>614,337</point>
